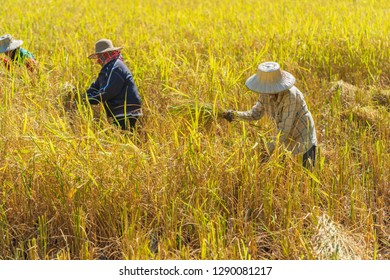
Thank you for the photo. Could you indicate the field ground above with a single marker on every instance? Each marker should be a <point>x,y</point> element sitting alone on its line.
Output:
<point>190,185</point>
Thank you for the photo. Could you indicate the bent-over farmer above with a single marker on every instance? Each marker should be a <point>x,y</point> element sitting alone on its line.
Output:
<point>114,86</point>
<point>284,103</point>
<point>15,54</point>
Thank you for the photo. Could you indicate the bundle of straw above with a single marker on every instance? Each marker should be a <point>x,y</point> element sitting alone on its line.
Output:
<point>204,112</point>
<point>347,93</point>
<point>382,98</point>
<point>68,96</point>
<point>364,116</point>
<point>333,242</point>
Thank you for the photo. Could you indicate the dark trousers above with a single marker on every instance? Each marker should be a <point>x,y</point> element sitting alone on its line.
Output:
<point>309,158</point>
<point>126,123</point>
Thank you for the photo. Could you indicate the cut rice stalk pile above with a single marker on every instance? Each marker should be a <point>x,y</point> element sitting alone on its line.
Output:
<point>365,116</point>
<point>350,95</point>
<point>332,241</point>
<point>382,98</point>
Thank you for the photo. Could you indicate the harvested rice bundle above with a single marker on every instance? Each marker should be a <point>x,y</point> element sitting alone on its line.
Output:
<point>68,96</point>
<point>366,116</point>
<point>204,112</point>
<point>381,98</point>
<point>349,94</point>
<point>333,242</point>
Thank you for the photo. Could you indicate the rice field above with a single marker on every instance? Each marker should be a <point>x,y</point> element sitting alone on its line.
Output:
<point>190,185</point>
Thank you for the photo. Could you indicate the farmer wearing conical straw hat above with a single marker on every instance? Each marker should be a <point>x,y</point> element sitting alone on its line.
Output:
<point>15,54</point>
<point>115,87</point>
<point>283,102</point>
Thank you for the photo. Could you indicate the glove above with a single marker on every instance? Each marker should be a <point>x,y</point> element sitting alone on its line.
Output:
<point>228,115</point>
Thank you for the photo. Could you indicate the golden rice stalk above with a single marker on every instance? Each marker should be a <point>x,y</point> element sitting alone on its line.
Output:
<point>206,112</point>
<point>331,241</point>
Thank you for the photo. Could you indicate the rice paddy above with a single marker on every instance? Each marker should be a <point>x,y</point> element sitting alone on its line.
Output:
<point>188,184</point>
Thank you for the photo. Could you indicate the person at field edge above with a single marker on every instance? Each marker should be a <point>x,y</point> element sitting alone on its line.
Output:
<point>15,54</point>
<point>283,102</point>
<point>115,86</point>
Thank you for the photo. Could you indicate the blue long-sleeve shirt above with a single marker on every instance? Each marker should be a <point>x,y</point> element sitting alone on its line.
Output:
<point>115,88</point>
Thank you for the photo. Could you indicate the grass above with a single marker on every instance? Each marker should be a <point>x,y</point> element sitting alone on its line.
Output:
<point>74,187</point>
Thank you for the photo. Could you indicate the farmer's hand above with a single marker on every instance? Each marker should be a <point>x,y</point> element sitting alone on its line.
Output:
<point>228,115</point>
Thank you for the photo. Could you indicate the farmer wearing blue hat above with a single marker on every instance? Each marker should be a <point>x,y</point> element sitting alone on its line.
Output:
<point>15,54</point>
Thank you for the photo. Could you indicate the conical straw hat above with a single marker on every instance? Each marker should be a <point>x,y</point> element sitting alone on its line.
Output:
<point>269,79</point>
<point>7,43</point>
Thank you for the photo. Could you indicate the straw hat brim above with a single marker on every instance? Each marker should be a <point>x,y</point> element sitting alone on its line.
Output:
<point>94,55</point>
<point>12,46</point>
<point>283,84</point>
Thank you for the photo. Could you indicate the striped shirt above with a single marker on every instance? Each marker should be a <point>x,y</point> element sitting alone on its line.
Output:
<point>293,119</point>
